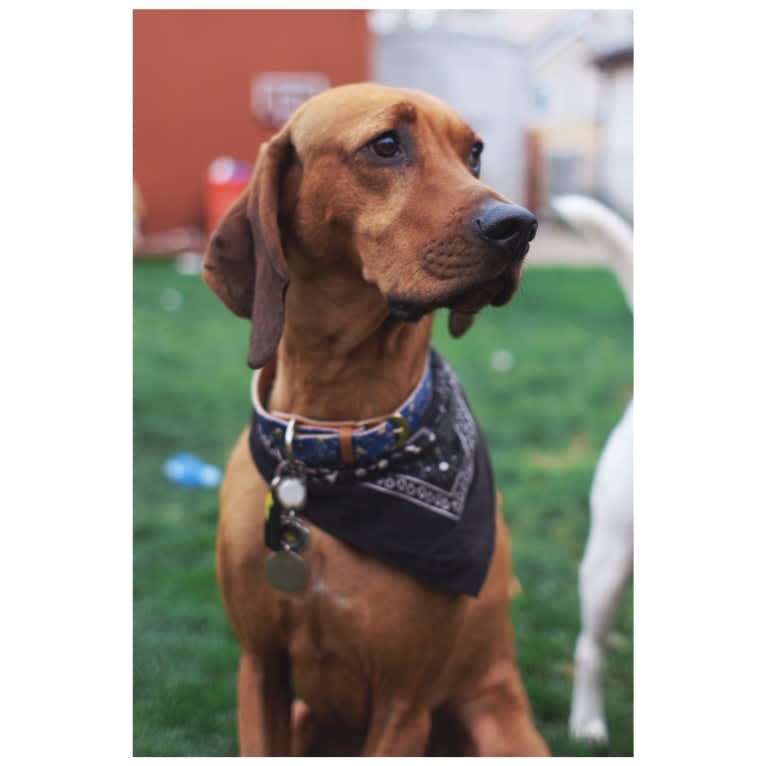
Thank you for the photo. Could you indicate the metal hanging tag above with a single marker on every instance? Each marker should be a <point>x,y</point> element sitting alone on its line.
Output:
<point>285,532</point>
<point>286,571</point>
<point>289,490</point>
<point>289,483</point>
<point>294,534</point>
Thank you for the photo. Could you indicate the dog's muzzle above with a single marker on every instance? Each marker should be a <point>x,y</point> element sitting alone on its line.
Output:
<point>510,228</point>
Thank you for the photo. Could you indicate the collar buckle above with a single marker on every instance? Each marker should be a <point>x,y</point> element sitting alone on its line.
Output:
<point>401,429</point>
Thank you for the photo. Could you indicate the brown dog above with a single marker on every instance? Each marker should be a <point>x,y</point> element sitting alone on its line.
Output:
<point>368,204</point>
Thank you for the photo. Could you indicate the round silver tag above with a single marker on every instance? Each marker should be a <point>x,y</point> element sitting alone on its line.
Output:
<point>286,571</point>
<point>291,492</point>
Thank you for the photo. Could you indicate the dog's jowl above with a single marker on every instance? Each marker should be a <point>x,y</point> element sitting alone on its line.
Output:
<point>362,562</point>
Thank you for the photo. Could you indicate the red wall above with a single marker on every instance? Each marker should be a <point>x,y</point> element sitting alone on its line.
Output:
<point>191,90</point>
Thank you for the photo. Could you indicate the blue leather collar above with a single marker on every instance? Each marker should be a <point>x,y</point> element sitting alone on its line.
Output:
<point>318,443</point>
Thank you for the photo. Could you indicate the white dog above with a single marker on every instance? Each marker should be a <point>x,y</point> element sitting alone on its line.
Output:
<point>608,559</point>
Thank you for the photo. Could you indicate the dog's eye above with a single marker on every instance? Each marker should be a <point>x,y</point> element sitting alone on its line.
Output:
<point>386,145</point>
<point>474,158</point>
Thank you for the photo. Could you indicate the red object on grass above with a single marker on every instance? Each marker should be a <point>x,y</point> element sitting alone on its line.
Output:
<point>218,199</point>
<point>226,179</point>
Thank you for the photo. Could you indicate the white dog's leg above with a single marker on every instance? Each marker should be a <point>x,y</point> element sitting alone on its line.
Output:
<point>605,568</point>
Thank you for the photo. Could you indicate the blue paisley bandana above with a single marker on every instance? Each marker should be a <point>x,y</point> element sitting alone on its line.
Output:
<point>426,507</point>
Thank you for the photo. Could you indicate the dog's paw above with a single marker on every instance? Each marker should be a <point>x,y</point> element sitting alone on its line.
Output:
<point>592,728</point>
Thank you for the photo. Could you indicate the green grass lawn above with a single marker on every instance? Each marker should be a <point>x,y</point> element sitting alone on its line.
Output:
<point>570,336</point>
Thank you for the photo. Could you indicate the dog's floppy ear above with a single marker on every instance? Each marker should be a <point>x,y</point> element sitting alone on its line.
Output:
<point>229,263</point>
<point>244,264</point>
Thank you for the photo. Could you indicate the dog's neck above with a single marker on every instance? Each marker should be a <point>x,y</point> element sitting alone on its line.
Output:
<point>342,357</point>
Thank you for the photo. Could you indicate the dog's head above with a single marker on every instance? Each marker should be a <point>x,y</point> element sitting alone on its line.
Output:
<point>382,184</point>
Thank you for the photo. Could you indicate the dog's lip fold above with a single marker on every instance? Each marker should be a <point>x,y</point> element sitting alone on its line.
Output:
<point>493,292</point>
<point>496,292</point>
<point>407,311</point>
<point>506,291</point>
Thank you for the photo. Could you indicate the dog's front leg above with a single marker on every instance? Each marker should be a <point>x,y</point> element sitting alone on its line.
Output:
<point>398,728</point>
<point>263,705</point>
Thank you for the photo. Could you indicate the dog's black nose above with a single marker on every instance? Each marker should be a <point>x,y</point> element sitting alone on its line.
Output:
<point>511,226</point>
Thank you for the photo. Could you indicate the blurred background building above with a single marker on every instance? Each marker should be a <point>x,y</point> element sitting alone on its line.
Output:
<point>550,92</point>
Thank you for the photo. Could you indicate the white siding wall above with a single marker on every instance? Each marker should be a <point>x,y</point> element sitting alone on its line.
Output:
<point>615,168</point>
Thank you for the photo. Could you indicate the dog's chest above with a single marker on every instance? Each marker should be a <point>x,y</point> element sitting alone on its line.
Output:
<point>359,621</point>
<point>330,643</point>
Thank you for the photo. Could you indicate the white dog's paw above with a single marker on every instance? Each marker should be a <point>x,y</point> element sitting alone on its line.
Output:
<point>593,728</point>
